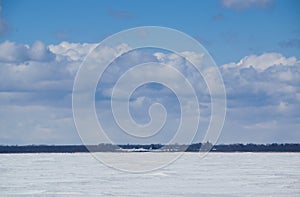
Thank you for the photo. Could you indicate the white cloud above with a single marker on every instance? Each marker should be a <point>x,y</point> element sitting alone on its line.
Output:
<point>71,51</point>
<point>11,52</point>
<point>244,4</point>
<point>262,62</point>
<point>270,75</point>
<point>261,89</point>
<point>39,52</point>
<point>35,87</point>
<point>40,68</point>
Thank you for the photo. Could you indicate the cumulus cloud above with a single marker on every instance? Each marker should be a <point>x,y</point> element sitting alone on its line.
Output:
<point>262,62</point>
<point>11,52</point>
<point>15,53</point>
<point>244,4</point>
<point>35,90</point>
<point>269,76</point>
<point>36,82</point>
<point>262,96</point>
<point>71,51</point>
<point>39,52</point>
<point>49,84</point>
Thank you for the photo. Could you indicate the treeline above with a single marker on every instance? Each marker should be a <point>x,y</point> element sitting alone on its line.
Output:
<point>258,148</point>
<point>152,147</point>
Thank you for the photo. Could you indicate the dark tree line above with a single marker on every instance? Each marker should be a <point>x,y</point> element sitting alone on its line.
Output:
<point>152,147</point>
<point>258,148</point>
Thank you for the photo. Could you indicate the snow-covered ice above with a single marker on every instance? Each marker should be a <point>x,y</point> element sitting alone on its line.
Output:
<point>217,174</point>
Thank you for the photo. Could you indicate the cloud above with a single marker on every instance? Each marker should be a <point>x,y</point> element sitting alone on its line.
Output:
<point>292,43</point>
<point>261,125</point>
<point>262,62</point>
<point>14,53</point>
<point>266,80</point>
<point>263,98</point>
<point>71,51</point>
<point>36,89</point>
<point>43,68</point>
<point>245,4</point>
<point>11,52</point>
<point>39,52</point>
<point>33,124</point>
<point>263,92</point>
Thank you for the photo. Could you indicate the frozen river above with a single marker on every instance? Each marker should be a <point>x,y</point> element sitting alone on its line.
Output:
<point>218,174</point>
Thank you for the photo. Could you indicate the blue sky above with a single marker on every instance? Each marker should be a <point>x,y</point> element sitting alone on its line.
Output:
<point>256,45</point>
<point>227,32</point>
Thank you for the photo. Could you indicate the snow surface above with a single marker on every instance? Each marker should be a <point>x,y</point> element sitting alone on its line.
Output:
<point>217,174</point>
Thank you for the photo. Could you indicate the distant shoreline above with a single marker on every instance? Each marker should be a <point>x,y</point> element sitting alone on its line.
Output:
<point>263,148</point>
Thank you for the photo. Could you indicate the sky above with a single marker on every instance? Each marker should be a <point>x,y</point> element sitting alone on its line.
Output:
<point>255,44</point>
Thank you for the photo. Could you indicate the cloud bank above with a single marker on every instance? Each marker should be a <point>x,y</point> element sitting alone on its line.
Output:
<point>263,93</point>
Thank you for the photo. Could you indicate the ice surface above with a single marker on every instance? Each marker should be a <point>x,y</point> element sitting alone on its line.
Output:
<point>218,174</point>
